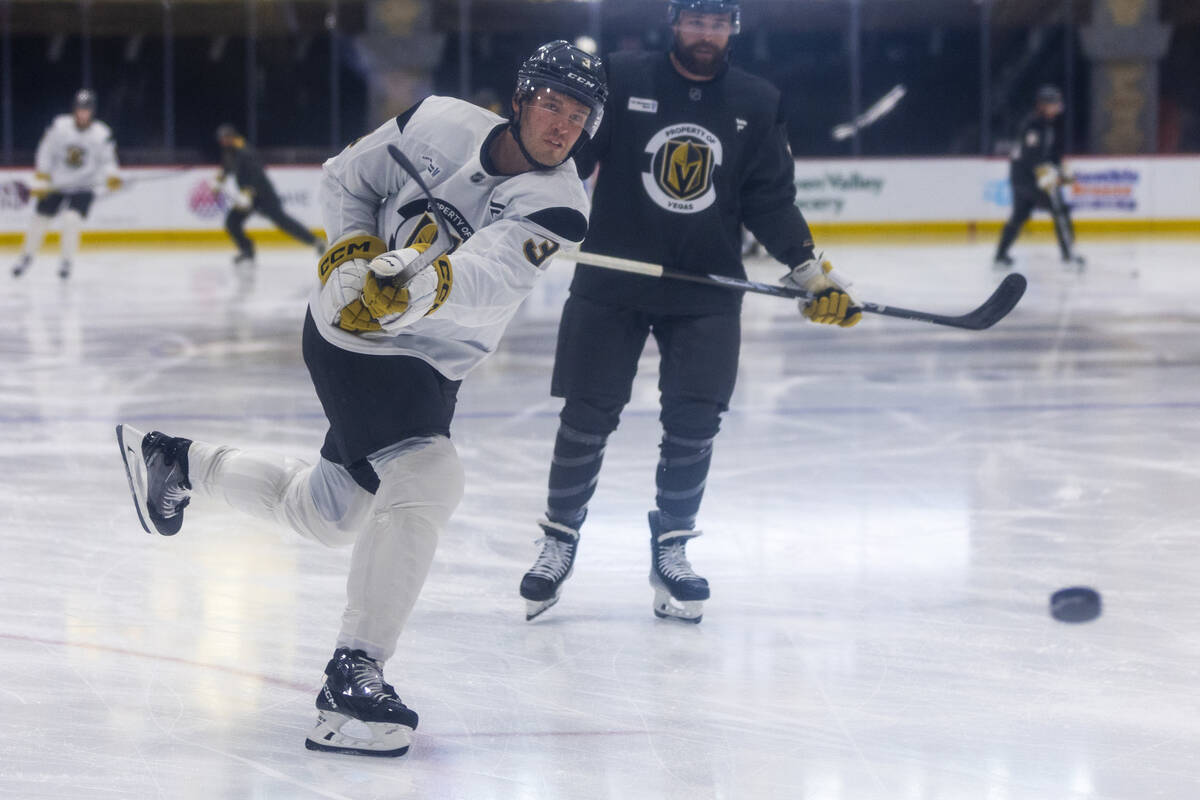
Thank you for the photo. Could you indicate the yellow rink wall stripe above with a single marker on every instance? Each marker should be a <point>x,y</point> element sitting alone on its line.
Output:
<point>956,229</point>
<point>164,238</point>
<point>891,229</point>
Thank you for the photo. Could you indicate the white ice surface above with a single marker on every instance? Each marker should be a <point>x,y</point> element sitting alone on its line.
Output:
<point>888,511</point>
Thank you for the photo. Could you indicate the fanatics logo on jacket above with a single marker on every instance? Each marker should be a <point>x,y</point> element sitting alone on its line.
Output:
<point>682,160</point>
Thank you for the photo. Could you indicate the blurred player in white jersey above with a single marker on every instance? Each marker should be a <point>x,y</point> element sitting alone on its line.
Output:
<point>412,295</point>
<point>75,157</point>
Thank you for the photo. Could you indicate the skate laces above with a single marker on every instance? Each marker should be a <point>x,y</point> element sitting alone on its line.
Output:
<point>367,675</point>
<point>673,563</point>
<point>554,560</point>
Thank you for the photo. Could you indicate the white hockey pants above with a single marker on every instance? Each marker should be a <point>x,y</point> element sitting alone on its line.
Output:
<point>394,532</point>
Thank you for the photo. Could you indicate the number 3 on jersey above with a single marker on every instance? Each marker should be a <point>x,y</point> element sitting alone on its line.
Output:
<point>539,253</point>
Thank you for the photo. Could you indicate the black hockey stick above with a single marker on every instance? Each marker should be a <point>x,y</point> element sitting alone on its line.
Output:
<point>439,218</point>
<point>994,309</point>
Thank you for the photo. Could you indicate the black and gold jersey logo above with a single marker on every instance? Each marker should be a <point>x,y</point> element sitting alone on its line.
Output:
<point>76,156</point>
<point>418,226</point>
<point>683,160</point>
<point>686,168</point>
<point>425,232</point>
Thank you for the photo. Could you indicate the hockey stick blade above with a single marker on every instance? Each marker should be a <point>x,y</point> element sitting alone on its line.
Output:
<point>995,308</point>
<point>439,216</point>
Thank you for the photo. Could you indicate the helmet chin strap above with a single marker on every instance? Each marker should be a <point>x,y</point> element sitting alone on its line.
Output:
<point>515,124</point>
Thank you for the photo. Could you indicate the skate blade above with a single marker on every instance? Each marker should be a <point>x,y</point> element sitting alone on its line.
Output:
<point>667,607</point>
<point>535,608</point>
<point>130,441</point>
<point>387,739</point>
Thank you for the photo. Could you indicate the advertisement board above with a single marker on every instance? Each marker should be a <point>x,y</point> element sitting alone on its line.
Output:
<point>945,194</point>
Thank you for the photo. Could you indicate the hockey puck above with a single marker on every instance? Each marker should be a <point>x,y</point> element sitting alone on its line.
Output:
<point>1075,604</point>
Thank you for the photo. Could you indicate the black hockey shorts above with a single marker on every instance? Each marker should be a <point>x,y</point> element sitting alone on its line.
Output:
<point>372,402</point>
<point>50,205</point>
<point>597,358</point>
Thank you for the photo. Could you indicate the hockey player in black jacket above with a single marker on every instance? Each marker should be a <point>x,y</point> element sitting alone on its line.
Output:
<point>1037,176</point>
<point>690,149</point>
<point>256,194</point>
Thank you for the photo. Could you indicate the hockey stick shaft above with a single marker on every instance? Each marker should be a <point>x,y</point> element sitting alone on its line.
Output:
<point>1002,300</point>
<point>439,218</point>
<point>988,314</point>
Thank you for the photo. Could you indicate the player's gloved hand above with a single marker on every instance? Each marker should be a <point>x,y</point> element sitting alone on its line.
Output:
<point>1048,177</point>
<point>217,184</point>
<point>397,296</point>
<point>114,182</point>
<point>40,187</point>
<point>243,200</point>
<point>832,304</point>
<point>343,271</point>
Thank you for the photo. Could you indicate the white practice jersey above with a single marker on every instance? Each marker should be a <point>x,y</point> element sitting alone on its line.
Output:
<point>507,227</point>
<point>76,159</point>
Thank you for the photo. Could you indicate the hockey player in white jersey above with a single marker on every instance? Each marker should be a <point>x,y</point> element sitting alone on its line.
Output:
<point>75,157</point>
<point>401,313</point>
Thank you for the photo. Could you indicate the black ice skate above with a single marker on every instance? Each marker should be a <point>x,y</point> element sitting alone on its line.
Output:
<point>157,468</point>
<point>355,692</point>
<point>541,585</point>
<point>679,593</point>
<point>1002,262</point>
<point>21,266</point>
<point>64,269</point>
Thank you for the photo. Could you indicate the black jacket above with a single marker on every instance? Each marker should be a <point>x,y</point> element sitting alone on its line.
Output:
<point>682,164</point>
<point>242,163</point>
<point>1041,143</point>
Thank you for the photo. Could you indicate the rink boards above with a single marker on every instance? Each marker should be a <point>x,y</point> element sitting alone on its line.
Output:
<point>943,196</point>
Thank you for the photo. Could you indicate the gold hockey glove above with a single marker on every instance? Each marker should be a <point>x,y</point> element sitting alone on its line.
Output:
<point>399,301</point>
<point>343,271</point>
<point>832,304</point>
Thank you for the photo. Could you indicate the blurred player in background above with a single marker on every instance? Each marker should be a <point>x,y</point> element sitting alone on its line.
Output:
<point>75,157</point>
<point>1037,177</point>
<point>255,195</point>
<point>390,334</point>
<point>690,149</point>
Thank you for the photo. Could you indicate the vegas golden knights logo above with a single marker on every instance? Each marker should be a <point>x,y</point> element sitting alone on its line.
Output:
<point>75,157</point>
<point>681,162</point>
<point>686,167</point>
<point>426,232</point>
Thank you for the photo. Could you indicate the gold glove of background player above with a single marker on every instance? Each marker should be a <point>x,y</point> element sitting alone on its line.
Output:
<point>40,186</point>
<point>832,304</point>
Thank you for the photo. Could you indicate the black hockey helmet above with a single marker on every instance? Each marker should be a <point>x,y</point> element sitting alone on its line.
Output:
<point>563,67</point>
<point>1049,93</point>
<point>226,129</point>
<point>731,7</point>
<point>85,99</point>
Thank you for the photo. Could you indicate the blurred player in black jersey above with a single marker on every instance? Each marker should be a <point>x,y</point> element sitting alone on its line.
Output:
<point>689,150</point>
<point>1037,177</point>
<point>256,195</point>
